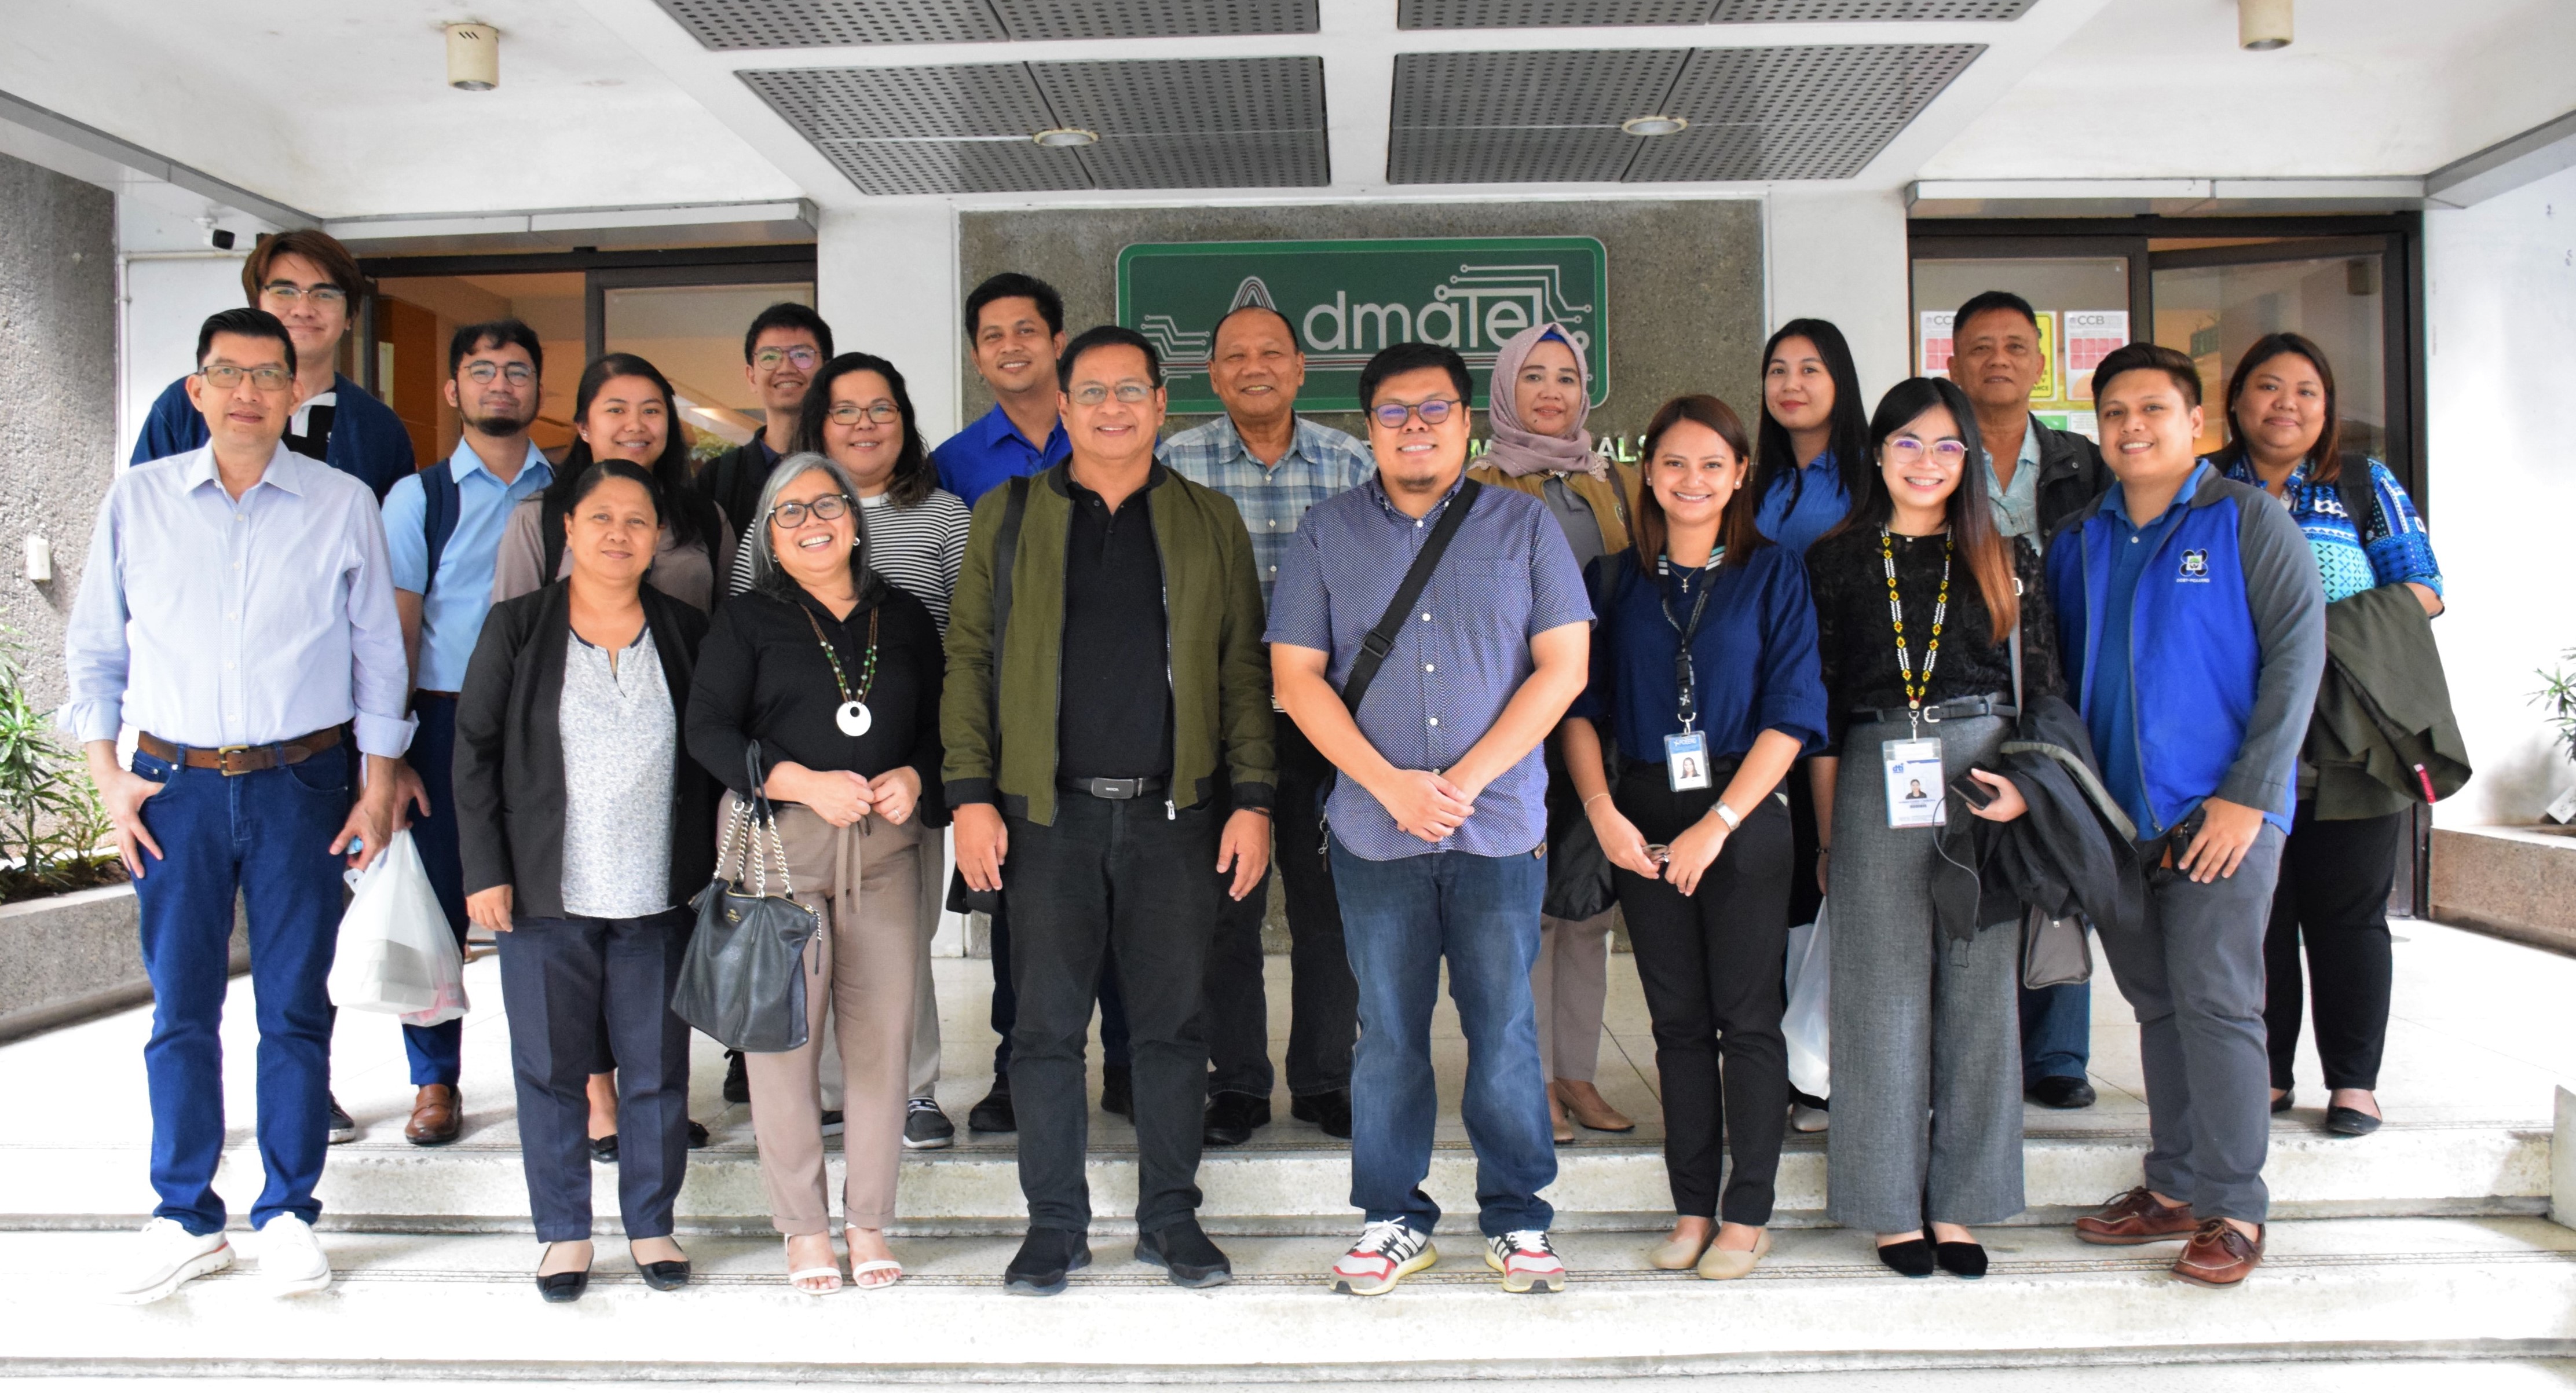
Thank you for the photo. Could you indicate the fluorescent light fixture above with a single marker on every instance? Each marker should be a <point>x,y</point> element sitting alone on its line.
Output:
<point>1654,125</point>
<point>1066,138</point>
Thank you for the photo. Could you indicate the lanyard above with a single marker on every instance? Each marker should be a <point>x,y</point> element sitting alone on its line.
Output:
<point>1896,615</point>
<point>1685,676</point>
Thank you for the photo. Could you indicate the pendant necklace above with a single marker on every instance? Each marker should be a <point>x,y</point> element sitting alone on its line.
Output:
<point>853,717</point>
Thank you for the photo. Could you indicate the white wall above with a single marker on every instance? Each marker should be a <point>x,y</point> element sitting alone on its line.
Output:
<point>2501,301</point>
<point>170,282</point>
<point>886,281</point>
<point>1841,256</point>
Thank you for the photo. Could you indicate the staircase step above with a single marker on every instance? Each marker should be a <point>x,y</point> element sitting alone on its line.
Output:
<point>2399,1287</point>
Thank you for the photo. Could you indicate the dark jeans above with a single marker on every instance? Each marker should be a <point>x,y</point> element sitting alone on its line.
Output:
<point>267,837</point>
<point>1323,1007</point>
<point>561,980</point>
<point>435,1050</point>
<point>1401,918</point>
<point>1006,1001</point>
<point>2333,897</point>
<point>2056,1032</point>
<point>1712,966</point>
<point>1110,875</point>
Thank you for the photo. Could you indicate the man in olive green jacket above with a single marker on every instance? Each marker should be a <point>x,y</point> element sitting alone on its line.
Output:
<point>1133,711</point>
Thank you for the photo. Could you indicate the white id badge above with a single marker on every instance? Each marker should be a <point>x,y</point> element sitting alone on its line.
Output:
<point>1686,760</point>
<point>1914,785</point>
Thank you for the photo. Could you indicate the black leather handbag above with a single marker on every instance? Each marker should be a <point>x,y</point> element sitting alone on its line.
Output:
<point>743,981</point>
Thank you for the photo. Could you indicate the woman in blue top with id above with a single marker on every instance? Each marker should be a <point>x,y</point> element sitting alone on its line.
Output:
<point>1704,668</point>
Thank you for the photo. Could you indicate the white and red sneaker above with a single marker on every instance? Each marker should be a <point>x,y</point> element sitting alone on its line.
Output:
<point>1388,1252</point>
<point>1527,1261</point>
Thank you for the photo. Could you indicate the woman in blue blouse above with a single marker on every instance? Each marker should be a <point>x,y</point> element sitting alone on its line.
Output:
<point>1704,665</point>
<point>2284,435</point>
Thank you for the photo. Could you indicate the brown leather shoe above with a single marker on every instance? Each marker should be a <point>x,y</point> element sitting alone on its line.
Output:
<point>2135,1217</point>
<point>436,1116</point>
<point>2218,1255</point>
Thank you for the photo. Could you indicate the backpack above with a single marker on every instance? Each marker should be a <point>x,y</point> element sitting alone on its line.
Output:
<point>437,515</point>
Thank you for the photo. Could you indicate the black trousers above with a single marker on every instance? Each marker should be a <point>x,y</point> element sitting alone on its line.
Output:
<point>560,979</point>
<point>2332,897</point>
<point>1006,1002</point>
<point>1323,997</point>
<point>1122,875</point>
<point>1712,965</point>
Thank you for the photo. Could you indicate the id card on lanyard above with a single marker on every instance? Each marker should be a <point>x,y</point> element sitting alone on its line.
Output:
<point>1913,766</point>
<point>1686,755</point>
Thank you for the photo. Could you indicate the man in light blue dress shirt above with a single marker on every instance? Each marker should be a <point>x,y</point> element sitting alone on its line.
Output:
<point>495,372</point>
<point>237,614</point>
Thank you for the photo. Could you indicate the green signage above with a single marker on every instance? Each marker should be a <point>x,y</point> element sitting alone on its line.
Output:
<point>1349,299</point>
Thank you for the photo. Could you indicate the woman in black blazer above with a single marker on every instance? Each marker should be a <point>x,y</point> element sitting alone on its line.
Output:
<point>585,828</point>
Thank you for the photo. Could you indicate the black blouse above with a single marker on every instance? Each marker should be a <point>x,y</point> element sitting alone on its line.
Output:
<point>762,676</point>
<point>1856,643</point>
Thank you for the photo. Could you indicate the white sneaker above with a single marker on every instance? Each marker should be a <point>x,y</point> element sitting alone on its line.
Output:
<point>1527,1261</point>
<point>161,1258</point>
<point>1388,1252</point>
<point>291,1258</point>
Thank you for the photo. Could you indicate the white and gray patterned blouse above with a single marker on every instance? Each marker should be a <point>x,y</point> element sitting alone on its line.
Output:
<point>620,751</point>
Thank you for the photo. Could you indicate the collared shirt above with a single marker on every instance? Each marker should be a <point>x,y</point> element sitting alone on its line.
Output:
<point>2016,505</point>
<point>2113,719</point>
<point>1804,504</point>
<point>1320,462</point>
<point>1114,702</point>
<point>451,612</point>
<point>2355,554</point>
<point>992,451</point>
<point>212,621</point>
<point>1753,657</point>
<point>1506,578</point>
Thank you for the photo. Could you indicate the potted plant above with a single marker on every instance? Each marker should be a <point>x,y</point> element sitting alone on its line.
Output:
<point>51,823</point>
<point>2557,700</point>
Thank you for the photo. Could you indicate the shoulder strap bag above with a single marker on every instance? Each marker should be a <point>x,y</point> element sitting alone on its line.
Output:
<point>1380,640</point>
<point>743,979</point>
<point>2056,950</point>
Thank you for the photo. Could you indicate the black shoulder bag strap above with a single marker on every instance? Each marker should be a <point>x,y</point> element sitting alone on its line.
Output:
<point>2359,491</point>
<point>1381,640</point>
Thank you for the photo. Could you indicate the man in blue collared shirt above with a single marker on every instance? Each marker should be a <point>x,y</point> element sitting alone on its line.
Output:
<point>1015,328</point>
<point>495,374</point>
<point>237,614</point>
<point>1439,821</point>
<point>1275,465</point>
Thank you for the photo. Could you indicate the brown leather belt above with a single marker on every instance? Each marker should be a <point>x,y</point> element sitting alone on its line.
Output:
<point>239,759</point>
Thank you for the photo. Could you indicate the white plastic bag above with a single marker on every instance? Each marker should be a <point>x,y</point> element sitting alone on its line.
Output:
<point>1810,1017</point>
<point>396,954</point>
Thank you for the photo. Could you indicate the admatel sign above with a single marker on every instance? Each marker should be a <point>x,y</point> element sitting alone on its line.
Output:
<point>1348,299</point>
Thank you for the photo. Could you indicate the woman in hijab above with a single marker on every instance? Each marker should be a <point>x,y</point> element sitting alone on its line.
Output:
<point>1541,392</point>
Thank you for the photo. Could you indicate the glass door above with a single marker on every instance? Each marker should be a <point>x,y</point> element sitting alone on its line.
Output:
<point>689,322</point>
<point>2083,305</point>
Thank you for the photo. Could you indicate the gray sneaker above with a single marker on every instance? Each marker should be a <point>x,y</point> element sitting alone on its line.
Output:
<point>925,1127</point>
<point>343,1127</point>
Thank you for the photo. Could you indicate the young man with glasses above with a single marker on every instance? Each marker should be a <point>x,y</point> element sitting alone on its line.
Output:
<point>237,614</point>
<point>1438,821</point>
<point>1106,752</point>
<point>443,531</point>
<point>311,284</point>
<point>781,351</point>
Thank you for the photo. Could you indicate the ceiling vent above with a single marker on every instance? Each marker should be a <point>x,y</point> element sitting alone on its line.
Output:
<point>735,24</point>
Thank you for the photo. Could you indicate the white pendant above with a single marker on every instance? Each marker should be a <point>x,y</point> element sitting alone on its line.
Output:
<point>853,719</point>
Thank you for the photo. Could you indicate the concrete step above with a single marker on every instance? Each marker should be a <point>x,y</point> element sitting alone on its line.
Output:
<point>2374,1288</point>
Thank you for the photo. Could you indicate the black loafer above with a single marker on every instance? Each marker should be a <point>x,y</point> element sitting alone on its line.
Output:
<point>1911,1258</point>
<point>697,1135</point>
<point>604,1149</point>
<point>664,1276</point>
<point>994,1114</point>
<point>737,1084</point>
<point>2062,1091</point>
<point>1182,1250</point>
<point>1330,1111</point>
<point>1045,1257</point>
<point>1231,1118</point>
<point>1960,1259</point>
<point>2350,1122</point>
<point>1118,1091</point>
<point>2283,1103</point>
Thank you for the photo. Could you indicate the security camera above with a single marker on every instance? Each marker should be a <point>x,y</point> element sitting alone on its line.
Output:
<point>219,238</point>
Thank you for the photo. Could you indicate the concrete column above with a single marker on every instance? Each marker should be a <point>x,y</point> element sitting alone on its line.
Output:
<point>886,280</point>
<point>1841,256</point>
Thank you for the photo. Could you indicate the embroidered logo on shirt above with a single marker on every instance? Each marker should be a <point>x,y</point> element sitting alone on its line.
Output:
<point>2195,564</point>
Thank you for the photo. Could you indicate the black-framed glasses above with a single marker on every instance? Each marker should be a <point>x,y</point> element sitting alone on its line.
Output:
<point>1391,414</point>
<point>830,506</point>
<point>267,377</point>
<point>290,292</point>
<point>850,413</point>
<point>519,374</point>
<point>769,358</point>
<point>1093,394</point>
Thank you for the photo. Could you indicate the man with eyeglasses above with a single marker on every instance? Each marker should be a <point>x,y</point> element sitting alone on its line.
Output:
<point>237,614</point>
<point>1108,747</point>
<point>310,283</point>
<point>1439,819</point>
<point>1275,465</point>
<point>781,351</point>
<point>443,530</point>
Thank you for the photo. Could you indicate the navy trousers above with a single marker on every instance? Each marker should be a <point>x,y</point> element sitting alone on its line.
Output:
<point>435,1050</point>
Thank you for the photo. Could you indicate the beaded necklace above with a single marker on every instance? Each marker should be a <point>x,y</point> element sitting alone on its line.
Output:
<point>853,717</point>
<point>1896,615</point>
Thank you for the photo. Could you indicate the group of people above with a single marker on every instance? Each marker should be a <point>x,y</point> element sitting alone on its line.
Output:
<point>1468,708</point>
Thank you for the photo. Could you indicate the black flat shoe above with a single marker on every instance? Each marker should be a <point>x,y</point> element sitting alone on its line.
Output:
<point>663,1276</point>
<point>2350,1122</point>
<point>1232,1118</point>
<point>1959,1259</point>
<point>697,1135</point>
<point>994,1114</point>
<point>604,1149</point>
<point>1183,1251</point>
<point>1911,1258</point>
<point>1045,1257</point>
<point>737,1084</point>
<point>2064,1092</point>
<point>560,1287</point>
<point>2282,1104</point>
<point>1330,1111</point>
<point>1118,1090</point>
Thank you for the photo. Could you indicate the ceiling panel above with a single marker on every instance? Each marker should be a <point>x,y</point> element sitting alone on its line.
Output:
<point>1819,82</point>
<point>1146,19</point>
<point>733,24</point>
<point>1466,155</point>
<point>1228,160</point>
<point>1531,89</point>
<point>1864,11</point>
<point>1186,95</point>
<point>995,99</point>
<point>1565,14</point>
<point>955,166</point>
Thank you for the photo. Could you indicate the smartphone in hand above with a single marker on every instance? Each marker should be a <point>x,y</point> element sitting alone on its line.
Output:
<point>1966,789</point>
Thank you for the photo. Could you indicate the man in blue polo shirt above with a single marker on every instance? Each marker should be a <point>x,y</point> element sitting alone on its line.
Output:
<point>2193,628</point>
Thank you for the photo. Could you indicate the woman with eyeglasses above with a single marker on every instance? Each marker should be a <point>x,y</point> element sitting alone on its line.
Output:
<point>1916,596</point>
<point>833,676</point>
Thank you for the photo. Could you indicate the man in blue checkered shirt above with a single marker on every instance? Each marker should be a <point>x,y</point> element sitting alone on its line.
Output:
<point>1275,466</point>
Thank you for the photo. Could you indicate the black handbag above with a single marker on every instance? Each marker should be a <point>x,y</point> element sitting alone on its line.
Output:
<point>743,980</point>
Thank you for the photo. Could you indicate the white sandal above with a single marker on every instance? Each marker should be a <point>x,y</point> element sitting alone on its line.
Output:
<point>797,1277</point>
<point>860,1269</point>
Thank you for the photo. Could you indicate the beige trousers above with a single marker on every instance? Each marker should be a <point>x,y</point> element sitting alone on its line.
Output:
<point>925,994</point>
<point>864,881</point>
<point>1569,985</point>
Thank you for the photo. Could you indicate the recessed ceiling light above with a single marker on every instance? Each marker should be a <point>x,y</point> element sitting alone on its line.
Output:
<point>1066,138</point>
<point>1654,125</point>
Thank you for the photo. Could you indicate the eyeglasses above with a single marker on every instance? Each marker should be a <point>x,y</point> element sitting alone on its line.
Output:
<point>1905,449</point>
<point>850,413</point>
<point>290,292</point>
<point>823,509</point>
<point>267,377</point>
<point>770,358</point>
<point>1432,412</point>
<point>1093,394</point>
<point>520,374</point>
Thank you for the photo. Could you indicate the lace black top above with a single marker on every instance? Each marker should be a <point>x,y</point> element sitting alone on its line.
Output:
<point>1857,645</point>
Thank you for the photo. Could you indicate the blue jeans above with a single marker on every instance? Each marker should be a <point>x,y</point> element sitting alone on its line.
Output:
<point>2056,1032</point>
<point>1399,920</point>
<point>266,836</point>
<point>436,1051</point>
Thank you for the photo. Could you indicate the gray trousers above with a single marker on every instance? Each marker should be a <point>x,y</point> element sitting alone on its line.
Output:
<point>2194,975</point>
<point>1926,1039</point>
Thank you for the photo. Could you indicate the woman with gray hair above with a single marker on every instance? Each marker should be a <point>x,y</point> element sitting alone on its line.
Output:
<point>832,676</point>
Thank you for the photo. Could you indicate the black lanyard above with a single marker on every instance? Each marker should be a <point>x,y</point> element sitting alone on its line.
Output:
<point>1685,676</point>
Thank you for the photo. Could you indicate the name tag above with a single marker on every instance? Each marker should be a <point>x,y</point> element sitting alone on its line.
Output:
<point>1686,760</point>
<point>1914,787</point>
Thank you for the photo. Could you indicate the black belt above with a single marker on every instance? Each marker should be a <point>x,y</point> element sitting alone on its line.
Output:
<point>1118,790</point>
<point>1955,709</point>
